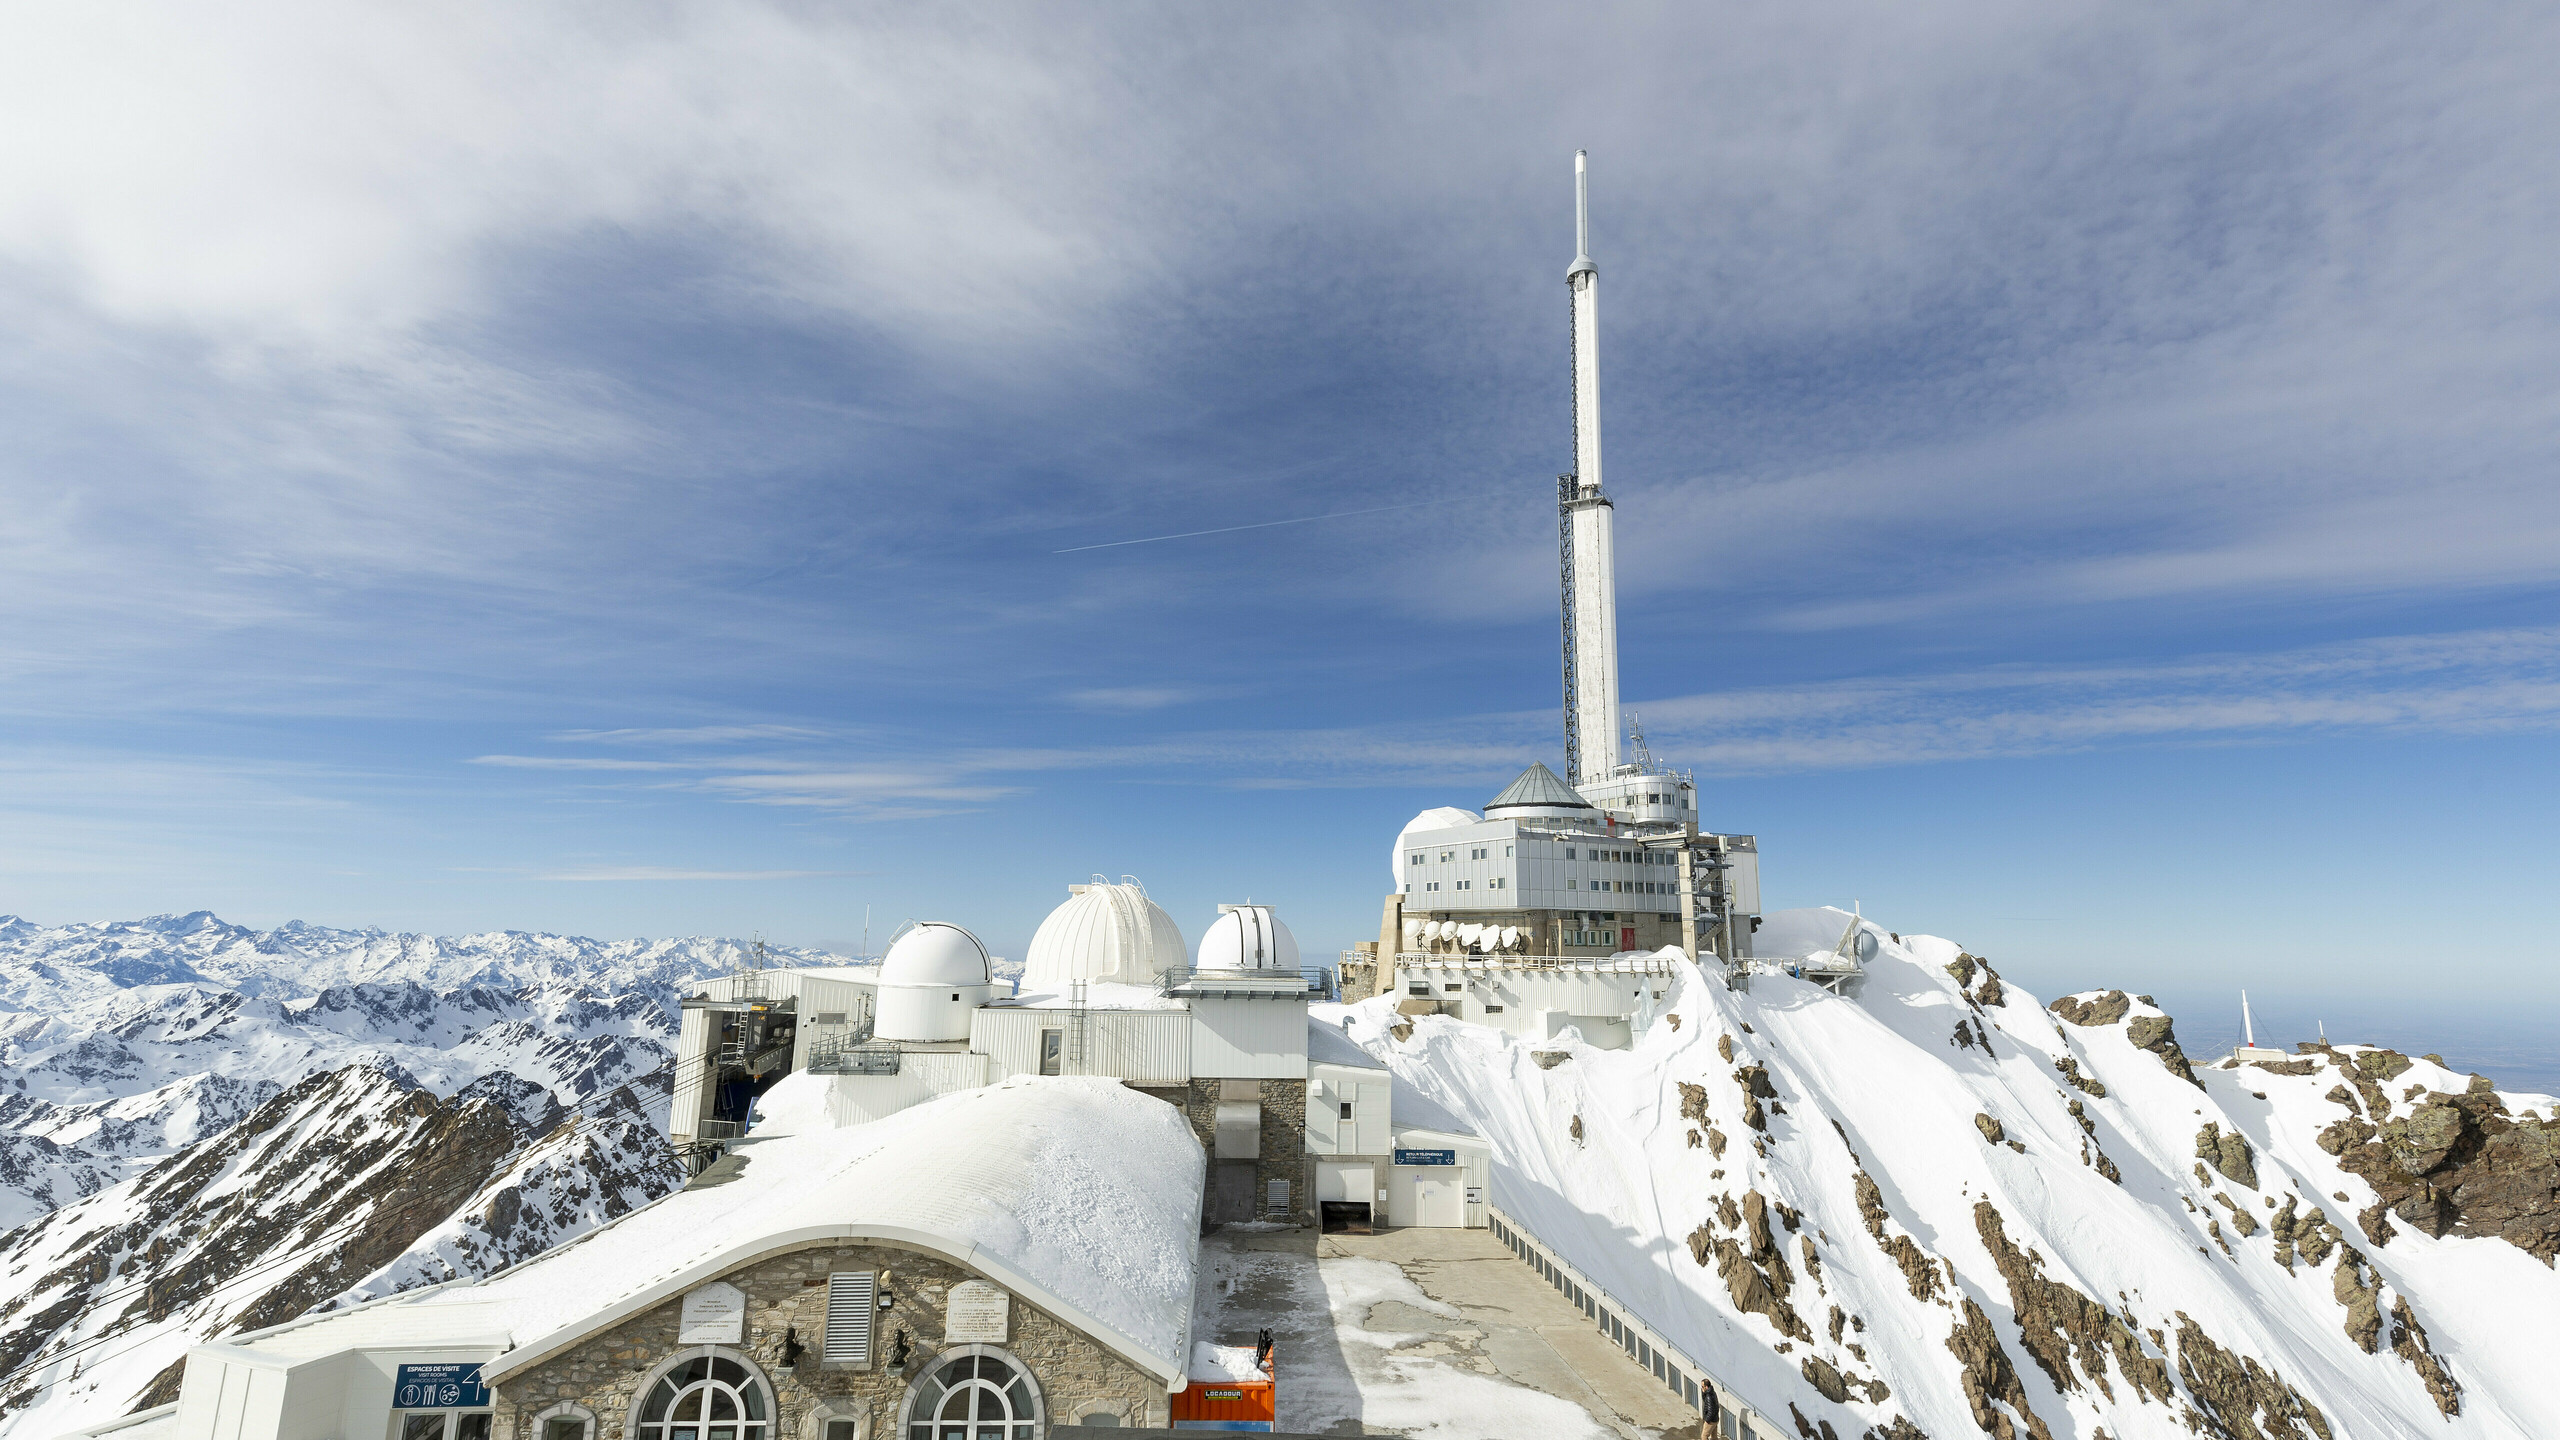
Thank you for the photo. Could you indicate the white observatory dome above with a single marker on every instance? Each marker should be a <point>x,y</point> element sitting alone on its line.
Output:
<point>935,974</point>
<point>1248,937</point>
<point>1104,932</point>
<point>1440,818</point>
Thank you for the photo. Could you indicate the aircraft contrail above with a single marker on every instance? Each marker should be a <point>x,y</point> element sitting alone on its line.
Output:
<point>1259,525</point>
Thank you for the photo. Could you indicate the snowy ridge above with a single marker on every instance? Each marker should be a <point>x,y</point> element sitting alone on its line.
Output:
<point>138,1038</point>
<point>202,1126</point>
<point>352,1182</point>
<point>1941,1208</point>
<point>53,968</point>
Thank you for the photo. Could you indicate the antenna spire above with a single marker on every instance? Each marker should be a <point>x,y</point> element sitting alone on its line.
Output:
<point>1581,206</point>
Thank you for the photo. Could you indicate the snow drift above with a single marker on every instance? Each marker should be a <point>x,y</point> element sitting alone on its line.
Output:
<point>1942,1208</point>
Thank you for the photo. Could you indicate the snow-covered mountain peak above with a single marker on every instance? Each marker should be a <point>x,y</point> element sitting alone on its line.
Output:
<point>1941,1205</point>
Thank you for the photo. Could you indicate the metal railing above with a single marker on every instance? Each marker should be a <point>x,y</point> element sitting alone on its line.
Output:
<point>1696,1388</point>
<point>852,1053</point>
<point>1277,983</point>
<point>1632,963</point>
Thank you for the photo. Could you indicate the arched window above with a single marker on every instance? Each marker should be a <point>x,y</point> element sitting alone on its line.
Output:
<point>707,1396</point>
<point>977,1393</point>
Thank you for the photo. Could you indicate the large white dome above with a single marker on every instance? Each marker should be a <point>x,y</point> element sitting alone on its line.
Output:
<point>1440,818</point>
<point>934,954</point>
<point>1248,937</point>
<point>1104,932</point>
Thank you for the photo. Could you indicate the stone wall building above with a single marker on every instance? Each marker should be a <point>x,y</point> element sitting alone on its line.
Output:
<point>1023,1255</point>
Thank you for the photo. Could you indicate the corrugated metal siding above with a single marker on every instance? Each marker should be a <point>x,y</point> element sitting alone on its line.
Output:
<point>1369,1114</point>
<point>1324,1108</point>
<point>1249,1039</point>
<point>693,1046</point>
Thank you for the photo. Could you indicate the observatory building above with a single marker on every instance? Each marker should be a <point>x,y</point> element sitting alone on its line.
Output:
<point>1548,907</point>
<point>1109,989</point>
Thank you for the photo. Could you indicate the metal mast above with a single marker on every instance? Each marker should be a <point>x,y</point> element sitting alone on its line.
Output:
<point>1586,536</point>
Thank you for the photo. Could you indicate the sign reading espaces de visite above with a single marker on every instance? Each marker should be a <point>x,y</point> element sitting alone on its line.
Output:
<point>449,1385</point>
<point>976,1314</point>
<point>1426,1157</point>
<point>713,1314</point>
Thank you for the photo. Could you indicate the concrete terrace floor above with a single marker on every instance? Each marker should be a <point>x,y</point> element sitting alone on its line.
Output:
<point>1430,1333</point>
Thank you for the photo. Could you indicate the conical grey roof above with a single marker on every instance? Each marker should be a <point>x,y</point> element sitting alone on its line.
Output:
<point>1537,785</point>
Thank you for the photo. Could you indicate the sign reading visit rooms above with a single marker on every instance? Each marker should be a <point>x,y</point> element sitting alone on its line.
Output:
<point>454,1385</point>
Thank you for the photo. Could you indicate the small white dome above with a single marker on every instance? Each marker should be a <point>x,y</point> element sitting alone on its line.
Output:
<point>1436,819</point>
<point>1104,932</point>
<point>936,955</point>
<point>1248,937</point>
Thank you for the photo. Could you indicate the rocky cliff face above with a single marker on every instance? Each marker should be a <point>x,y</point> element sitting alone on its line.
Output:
<point>1942,1209</point>
<point>349,1183</point>
<point>204,1127</point>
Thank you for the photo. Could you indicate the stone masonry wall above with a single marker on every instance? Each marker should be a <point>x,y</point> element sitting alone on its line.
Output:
<point>1284,1148</point>
<point>789,1292</point>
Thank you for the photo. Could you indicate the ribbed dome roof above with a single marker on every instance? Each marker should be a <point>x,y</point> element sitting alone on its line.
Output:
<point>1248,937</point>
<point>1537,789</point>
<point>933,955</point>
<point>1104,932</point>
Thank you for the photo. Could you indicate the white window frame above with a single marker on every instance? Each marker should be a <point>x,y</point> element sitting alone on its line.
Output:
<point>773,1427</point>
<point>1038,1419</point>
<point>564,1410</point>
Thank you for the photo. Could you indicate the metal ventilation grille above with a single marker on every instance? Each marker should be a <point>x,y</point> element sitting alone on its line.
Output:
<point>849,1296</point>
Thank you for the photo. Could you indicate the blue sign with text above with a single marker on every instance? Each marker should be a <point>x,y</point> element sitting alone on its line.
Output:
<point>1426,1157</point>
<point>453,1385</point>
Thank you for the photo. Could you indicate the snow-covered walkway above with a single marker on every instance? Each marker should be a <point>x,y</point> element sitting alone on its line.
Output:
<point>1431,1333</point>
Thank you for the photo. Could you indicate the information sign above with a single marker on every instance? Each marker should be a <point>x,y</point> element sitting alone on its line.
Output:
<point>713,1314</point>
<point>976,1314</point>
<point>450,1385</point>
<point>1426,1157</point>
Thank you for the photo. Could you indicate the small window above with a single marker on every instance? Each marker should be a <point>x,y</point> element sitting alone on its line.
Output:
<point>1464,883</point>
<point>839,1430</point>
<point>564,1427</point>
<point>1053,1047</point>
<point>1418,987</point>
<point>1448,855</point>
<point>1453,988</point>
<point>1507,851</point>
<point>1568,852</point>
<point>1493,1009</point>
<point>1346,1109</point>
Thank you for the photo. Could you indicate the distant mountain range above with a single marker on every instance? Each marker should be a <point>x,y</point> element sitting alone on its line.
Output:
<point>205,1127</point>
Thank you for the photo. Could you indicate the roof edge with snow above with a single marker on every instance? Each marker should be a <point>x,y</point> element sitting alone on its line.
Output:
<point>1172,1369</point>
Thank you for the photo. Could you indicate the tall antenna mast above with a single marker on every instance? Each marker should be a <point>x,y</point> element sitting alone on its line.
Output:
<point>1586,533</point>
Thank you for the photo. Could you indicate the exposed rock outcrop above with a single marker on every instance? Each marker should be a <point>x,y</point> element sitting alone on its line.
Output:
<point>1990,1380</point>
<point>2241,1397</point>
<point>2157,1034</point>
<point>2107,1009</point>
<point>2410,1343</point>
<point>2228,1152</point>
<point>2459,1164</point>
<point>2057,1322</point>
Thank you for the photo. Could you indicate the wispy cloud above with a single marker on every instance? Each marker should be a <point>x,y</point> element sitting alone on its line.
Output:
<point>2470,682</point>
<point>572,762</point>
<point>669,872</point>
<point>689,735</point>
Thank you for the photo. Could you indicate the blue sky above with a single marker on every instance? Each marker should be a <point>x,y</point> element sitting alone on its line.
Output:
<point>2085,480</point>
